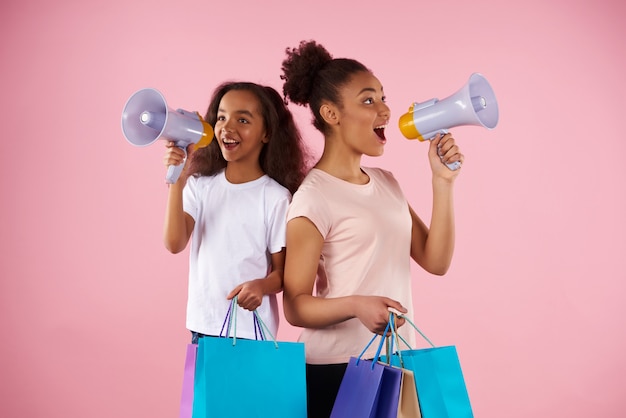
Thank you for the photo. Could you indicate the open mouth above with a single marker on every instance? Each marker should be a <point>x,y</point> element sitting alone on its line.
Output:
<point>229,143</point>
<point>380,131</point>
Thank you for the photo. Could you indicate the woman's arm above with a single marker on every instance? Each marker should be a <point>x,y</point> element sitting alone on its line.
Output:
<point>302,309</point>
<point>432,248</point>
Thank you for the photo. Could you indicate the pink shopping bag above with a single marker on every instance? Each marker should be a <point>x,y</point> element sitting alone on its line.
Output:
<point>186,400</point>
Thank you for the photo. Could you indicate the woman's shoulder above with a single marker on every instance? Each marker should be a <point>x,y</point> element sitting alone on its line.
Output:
<point>380,174</point>
<point>314,182</point>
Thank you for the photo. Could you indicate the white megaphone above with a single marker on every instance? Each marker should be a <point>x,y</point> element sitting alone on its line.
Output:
<point>146,118</point>
<point>474,104</point>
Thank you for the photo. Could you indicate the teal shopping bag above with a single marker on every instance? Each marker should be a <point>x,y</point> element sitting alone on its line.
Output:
<point>441,389</point>
<point>239,378</point>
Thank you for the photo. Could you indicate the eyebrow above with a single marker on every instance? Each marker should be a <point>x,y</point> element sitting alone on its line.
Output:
<point>370,89</point>
<point>240,112</point>
<point>367,89</point>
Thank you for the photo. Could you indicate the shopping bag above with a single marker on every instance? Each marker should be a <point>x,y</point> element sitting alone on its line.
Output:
<point>369,388</point>
<point>249,378</point>
<point>441,389</point>
<point>186,400</point>
<point>408,405</point>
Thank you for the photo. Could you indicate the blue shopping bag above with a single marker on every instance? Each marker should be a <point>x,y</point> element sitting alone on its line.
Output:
<point>369,388</point>
<point>239,378</point>
<point>439,381</point>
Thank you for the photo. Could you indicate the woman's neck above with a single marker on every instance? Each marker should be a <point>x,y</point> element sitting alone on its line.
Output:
<point>344,166</point>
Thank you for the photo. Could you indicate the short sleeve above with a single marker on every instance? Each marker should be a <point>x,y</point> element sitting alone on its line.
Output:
<point>278,224</point>
<point>190,199</point>
<point>308,203</point>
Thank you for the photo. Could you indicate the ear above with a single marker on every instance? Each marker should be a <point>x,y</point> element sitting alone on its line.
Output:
<point>265,138</point>
<point>329,113</point>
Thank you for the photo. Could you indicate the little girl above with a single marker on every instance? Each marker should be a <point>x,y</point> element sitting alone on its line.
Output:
<point>231,200</point>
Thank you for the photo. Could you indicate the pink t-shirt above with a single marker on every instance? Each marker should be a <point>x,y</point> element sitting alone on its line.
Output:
<point>366,251</point>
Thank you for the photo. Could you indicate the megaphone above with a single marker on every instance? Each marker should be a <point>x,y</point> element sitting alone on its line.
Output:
<point>146,118</point>
<point>474,104</point>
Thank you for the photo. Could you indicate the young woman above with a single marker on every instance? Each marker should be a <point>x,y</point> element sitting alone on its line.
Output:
<point>350,231</point>
<point>231,200</point>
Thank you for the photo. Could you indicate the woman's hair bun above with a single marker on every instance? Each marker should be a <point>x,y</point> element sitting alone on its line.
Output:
<point>300,69</point>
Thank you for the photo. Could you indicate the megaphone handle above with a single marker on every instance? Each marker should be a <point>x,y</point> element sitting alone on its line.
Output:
<point>452,166</point>
<point>174,171</point>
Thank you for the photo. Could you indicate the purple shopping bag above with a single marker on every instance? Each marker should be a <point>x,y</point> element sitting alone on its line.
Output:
<point>369,388</point>
<point>186,400</point>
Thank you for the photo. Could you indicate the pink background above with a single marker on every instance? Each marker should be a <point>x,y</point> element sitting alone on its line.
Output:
<point>92,306</point>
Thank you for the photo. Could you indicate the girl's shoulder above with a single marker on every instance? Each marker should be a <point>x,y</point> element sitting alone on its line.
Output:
<point>275,188</point>
<point>202,181</point>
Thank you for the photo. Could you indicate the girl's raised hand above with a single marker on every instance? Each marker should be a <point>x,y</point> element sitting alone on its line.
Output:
<point>174,155</point>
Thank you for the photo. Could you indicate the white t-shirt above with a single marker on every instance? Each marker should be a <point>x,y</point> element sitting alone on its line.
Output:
<point>366,251</point>
<point>237,228</point>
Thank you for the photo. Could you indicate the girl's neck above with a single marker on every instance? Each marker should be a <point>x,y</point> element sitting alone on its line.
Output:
<point>239,173</point>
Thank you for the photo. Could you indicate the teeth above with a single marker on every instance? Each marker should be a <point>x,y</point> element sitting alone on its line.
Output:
<point>381,127</point>
<point>229,141</point>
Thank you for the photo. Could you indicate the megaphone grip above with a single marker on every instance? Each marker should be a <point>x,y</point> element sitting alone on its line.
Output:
<point>174,171</point>
<point>452,166</point>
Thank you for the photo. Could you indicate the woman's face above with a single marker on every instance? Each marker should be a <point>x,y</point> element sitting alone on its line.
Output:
<point>239,128</point>
<point>363,115</point>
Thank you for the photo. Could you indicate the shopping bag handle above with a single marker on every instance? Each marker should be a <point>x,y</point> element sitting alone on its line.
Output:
<point>394,338</point>
<point>407,319</point>
<point>231,320</point>
<point>380,346</point>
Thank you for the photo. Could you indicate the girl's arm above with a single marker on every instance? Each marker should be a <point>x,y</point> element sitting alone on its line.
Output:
<point>302,309</point>
<point>178,224</point>
<point>433,248</point>
<point>250,294</point>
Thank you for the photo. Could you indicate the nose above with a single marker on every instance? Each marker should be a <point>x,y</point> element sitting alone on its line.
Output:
<point>226,128</point>
<point>385,110</point>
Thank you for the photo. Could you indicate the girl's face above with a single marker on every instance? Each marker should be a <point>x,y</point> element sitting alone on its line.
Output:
<point>364,114</point>
<point>239,128</point>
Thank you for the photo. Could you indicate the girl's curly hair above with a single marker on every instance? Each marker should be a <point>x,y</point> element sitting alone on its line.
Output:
<point>284,158</point>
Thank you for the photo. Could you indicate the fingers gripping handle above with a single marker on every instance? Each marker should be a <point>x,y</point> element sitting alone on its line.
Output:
<point>452,166</point>
<point>174,171</point>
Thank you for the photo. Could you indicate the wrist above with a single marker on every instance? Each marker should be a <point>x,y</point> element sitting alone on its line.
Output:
<point>353,304</point>
<point>443,183</point>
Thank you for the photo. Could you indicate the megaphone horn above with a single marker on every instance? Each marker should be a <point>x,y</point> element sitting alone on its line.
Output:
<point>474,104</point>
<point>146,118</point>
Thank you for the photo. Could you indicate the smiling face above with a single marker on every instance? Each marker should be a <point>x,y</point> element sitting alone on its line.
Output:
<point>239,128</point>
<point>363,115</point>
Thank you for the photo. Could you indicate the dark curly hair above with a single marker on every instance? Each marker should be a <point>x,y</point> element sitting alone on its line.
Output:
<point>284,158</point>
<point>311,76</point>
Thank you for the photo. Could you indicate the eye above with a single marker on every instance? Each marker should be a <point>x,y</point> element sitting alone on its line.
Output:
<point>242,120</point>
<point>369,100</point>
<point>221,118</point>
<point>384,99</point>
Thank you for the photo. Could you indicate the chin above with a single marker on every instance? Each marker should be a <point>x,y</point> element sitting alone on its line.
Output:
<point>375,153</point>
